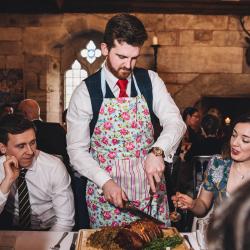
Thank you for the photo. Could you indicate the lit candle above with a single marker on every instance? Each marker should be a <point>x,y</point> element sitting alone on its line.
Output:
<point>155,40</point>
<point>227,120</point>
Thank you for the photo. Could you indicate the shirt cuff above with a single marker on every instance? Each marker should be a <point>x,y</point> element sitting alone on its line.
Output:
<point>3,197</point>
<point>101,178</point>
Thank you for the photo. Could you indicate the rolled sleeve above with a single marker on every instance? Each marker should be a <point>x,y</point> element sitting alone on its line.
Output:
<point>169,116</point>
<point>79,116</point>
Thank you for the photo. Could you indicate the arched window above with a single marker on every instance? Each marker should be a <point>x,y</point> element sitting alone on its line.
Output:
<point>77,73</point>
<point>73,77</point>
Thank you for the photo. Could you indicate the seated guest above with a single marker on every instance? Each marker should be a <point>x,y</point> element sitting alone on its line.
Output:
<point>50,136</point>
<point>209,144</point>
<point>230,225</point>
<point>35,191</point>
<point>224,173</point>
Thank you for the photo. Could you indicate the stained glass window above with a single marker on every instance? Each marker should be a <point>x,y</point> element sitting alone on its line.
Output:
<point>91,52</point>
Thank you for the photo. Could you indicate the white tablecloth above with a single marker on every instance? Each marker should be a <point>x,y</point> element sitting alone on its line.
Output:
<point>30,240</point>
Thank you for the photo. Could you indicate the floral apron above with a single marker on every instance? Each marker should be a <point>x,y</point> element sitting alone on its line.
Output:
<point>120,142</point>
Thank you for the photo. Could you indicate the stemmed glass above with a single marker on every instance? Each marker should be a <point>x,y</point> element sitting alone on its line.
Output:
<point>201,231</point>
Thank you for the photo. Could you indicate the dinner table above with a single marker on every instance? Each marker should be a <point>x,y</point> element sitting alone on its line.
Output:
<point>41,240</point>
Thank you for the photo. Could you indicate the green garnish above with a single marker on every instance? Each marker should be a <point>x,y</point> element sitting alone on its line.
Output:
<point>162,243</point>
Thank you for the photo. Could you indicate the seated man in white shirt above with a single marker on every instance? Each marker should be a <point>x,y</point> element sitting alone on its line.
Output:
<point>50,202</point>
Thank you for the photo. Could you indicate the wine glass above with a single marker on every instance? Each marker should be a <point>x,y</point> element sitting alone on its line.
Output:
<point>201,231</point>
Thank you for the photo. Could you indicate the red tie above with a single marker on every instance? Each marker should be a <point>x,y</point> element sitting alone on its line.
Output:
<point>122,84</point>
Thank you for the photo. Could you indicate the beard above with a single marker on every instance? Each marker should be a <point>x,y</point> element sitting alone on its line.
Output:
<point>120,73</point>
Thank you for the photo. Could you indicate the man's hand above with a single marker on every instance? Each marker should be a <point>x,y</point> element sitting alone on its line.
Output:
<point>11,171</point>
<point>154,168</point>
<point>114,194</point>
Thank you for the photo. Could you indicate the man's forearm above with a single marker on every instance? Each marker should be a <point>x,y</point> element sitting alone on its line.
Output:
<point>5,186</point>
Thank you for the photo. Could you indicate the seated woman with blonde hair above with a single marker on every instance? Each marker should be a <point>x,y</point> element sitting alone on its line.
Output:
<point>224,173</point>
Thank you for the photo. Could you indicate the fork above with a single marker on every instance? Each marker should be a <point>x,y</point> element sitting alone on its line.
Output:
<point>57,245</point>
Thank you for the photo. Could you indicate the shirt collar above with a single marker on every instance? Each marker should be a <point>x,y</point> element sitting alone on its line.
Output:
<point>110,78</point>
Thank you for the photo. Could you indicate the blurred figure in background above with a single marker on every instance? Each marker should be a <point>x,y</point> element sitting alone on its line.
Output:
<point>51,136</point>
<point>230,225</point>
<point>6,109</point>
<point>209,144</point>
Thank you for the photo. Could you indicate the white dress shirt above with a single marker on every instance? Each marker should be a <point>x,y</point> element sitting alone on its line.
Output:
<point>50,193</point>
<point>80,114</point>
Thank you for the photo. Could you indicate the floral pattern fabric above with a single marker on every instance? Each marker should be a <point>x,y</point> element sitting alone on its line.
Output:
<point>216,178</point>
<point>120,142</point>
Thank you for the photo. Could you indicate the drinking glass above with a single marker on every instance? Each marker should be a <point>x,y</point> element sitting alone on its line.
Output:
<point>201,231</point>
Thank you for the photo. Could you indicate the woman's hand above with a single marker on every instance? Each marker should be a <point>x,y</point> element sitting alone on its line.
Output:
<point>183,201</point>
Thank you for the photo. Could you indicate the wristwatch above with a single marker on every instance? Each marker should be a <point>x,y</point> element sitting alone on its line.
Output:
<point>157,151</point>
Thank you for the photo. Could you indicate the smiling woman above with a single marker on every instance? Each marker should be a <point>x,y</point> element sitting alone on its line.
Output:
<point>225,173</point>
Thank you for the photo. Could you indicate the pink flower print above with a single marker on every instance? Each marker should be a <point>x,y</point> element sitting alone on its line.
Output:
<point>114,224</point>
<point>97,131</point>
<point>137,154</point>
<point>114,141</point>
<point>117,211</point>
<point>105,140</point>
<point>92,219</point>
<point>162,187</point>
<point>88,203</point>
<point>111,110</point>
<point>144,152</point>
<point>138,139</point>
<point>108,169</point>
<point>130,146</point>
<point>123,131</point>
<point>120,100</point>
<point>145,111</point>
<point>106,215</point>
<point>141,123</point>
<point>90,191</point>
<point>133,124</point>
<point>124,223</point>
<point>107,125</point>
<point>161,209</point>
<point>101,110</point>
<point>150,125</point>
<point>137,203</point>
<point>94,207</point>
<point>112,155</point>
<point>149,141</point>
<point>134,110</point>
<point>97,143</point>
<point>102,199</point>
<point>101,158</point>
<point>125,116</point>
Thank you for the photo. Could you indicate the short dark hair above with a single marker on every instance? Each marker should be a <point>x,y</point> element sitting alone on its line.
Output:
<point>210,124</point>
<point>13,124</point>
<point>188,111</point>
<point>125,28</point>
<point>230,226</point>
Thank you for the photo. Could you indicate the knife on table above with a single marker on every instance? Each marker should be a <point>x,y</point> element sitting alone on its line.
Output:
<point>130,207</point>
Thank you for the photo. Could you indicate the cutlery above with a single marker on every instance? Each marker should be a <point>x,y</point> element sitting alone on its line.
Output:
<point>187,239</point>
<point>130,207</point>
<point>73,243</point>
<point>57,245</point>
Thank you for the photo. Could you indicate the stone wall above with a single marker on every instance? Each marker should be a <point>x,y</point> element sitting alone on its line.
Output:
<point>199,55</point>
